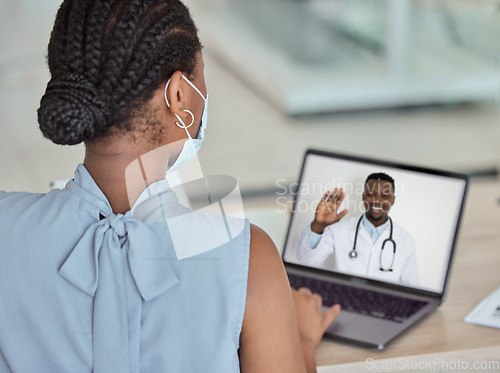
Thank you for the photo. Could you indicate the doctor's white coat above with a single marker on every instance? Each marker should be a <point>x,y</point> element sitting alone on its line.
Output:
<point>338,239</point>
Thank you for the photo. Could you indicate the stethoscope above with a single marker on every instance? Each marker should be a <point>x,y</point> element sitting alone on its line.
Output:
<point>353,254</point>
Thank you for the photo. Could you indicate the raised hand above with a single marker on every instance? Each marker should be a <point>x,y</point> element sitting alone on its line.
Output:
<point>327,211</point>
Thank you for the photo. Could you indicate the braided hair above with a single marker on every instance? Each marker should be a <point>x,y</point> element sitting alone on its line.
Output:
<point>108,56</point>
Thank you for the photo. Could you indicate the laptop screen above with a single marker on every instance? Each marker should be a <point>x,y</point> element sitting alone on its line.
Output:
<point>376,220</point>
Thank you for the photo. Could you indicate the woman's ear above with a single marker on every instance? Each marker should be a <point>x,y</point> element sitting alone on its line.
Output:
<point>175,95</point>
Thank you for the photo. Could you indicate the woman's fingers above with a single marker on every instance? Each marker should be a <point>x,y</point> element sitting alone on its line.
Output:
<point>305,290</point>
<point>318,299</point>
<point>312,320</point>
<point>329,315</point>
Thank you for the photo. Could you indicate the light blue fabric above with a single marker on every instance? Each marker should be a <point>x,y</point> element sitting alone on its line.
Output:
<point>84,294</point>
<point>374,232</point>
<point>313,237</point>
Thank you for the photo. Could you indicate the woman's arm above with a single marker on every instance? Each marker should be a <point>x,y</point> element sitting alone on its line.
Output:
<point>312,322</point>
<point>270,339</point>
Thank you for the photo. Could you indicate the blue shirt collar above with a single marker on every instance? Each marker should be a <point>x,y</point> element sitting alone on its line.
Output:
<point>86,188</point>
<point>374,232</point>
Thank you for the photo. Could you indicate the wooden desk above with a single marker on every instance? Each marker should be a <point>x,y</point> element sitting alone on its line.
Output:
<point>475,273</point>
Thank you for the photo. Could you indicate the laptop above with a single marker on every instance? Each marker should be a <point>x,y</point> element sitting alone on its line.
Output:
<point>393,280</point>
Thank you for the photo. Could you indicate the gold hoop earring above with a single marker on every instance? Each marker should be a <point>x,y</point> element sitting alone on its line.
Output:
<point>190,124</point>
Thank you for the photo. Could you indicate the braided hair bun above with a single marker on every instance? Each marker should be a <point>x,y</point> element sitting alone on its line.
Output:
<point>107,56</point>
<point>72,111</point>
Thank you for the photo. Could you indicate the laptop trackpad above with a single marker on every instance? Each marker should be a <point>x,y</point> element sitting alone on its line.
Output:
<point>356,327</point>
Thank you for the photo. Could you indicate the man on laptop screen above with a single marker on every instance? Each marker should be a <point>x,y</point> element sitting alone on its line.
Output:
<point>370,245</point>
<point>345,241</point>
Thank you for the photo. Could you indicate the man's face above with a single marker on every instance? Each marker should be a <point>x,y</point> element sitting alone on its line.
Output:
<point>378,199</point>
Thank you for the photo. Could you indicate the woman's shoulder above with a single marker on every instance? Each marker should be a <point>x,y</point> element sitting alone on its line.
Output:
<point>26,198</point>
<point>265,259</point>
<point>15,205</point>
<point>267,279</point>
<point>13,199</point>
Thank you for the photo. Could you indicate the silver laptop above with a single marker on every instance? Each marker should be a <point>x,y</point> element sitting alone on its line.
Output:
<point>375,237</point>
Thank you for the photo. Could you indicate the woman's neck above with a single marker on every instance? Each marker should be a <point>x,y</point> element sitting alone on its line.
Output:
<point>107,167</point>
<point>123,169</point>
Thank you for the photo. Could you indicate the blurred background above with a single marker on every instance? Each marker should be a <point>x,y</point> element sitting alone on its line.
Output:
<point>416,81</point>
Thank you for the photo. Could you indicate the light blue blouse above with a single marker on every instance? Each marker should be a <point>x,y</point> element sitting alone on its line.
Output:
<point>85,290</point>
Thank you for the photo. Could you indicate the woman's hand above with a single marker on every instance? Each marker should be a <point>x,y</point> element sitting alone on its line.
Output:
<point>312,320</point>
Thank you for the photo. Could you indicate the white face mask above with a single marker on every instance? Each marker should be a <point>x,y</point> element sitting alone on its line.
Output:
<point>191,146</point>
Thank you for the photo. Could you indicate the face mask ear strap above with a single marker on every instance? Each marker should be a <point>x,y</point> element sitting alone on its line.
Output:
<point>165,93</point>
<point>191,84</point>
<point>194,87</point>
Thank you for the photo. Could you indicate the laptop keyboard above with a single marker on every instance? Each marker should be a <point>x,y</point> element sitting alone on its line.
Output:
<point>363,301</point>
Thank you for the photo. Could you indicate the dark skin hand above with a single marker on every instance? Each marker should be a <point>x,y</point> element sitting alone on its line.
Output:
<point>327,211</point>
<point>312,322</point>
